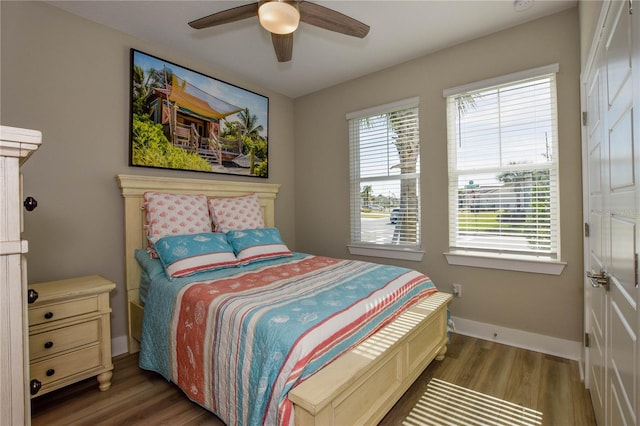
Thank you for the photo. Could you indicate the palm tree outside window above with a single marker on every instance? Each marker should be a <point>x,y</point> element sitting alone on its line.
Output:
<point>385,175</point>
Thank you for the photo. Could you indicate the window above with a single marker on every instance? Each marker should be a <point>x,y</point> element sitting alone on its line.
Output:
<point>503,166</point>
<point>385,179</point>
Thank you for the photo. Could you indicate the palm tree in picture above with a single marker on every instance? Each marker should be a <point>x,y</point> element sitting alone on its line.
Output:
<point>144,83</point>
<point>248,126</point>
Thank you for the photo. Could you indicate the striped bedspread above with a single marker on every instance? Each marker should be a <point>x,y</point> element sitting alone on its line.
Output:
<point>239,343</point>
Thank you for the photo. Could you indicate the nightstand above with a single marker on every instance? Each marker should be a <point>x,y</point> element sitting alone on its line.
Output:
<point>69,333</point>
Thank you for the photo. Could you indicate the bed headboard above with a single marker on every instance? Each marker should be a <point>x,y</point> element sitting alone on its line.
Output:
<point>133,188</point>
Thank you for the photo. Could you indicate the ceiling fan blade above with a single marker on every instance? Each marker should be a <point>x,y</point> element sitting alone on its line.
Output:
<point>283,45</point>
<point>329,19</point>
<point>226,16</point>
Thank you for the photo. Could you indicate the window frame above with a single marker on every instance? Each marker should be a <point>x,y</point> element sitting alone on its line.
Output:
<point>356,246</point>
<point>494,259</point>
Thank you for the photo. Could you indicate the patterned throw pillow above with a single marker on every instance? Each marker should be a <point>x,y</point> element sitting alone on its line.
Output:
<point>175,214</point>
<point>252,245</point>
<point>184,255</point>
<point>236,213</point>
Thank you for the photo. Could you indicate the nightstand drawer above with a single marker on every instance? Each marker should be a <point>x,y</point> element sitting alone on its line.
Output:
<point>56,311</point>
<point>61,339</point>
<point>64,366</point>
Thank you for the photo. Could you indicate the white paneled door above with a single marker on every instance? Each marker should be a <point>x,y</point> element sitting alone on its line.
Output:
<point>611,93</point>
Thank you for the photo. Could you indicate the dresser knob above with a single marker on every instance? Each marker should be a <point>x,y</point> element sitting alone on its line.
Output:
<point>34,386</point>
<point>48,315</point>
<point>32,295</point>
<point>50,372</point>
<point>30,203</point>
<point>48,345</point>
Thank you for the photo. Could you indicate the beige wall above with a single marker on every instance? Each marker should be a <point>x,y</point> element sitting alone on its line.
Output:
<point>69,78</point>
<point>543,304</point>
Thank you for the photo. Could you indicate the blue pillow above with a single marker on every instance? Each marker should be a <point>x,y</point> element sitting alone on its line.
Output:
<point>252,245</point>
<point>184,255</point>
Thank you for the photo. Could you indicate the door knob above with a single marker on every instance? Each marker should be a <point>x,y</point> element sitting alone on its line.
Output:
<point>600,279</point>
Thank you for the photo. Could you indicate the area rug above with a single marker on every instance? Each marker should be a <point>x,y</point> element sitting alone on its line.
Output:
<point>447,404</point>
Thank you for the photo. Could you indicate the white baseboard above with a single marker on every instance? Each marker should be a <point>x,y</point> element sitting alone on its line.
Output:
<point>521,339</point>
<point>119,345</point>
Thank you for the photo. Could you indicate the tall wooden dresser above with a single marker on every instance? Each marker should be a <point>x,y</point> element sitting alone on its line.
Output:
<point>16,145</point>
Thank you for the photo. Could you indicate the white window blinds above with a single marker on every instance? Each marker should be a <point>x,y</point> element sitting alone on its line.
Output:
<point>503,167</point>
<point>385,175</point>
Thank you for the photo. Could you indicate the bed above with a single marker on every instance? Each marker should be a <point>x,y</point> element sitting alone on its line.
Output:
<point>359,385</point>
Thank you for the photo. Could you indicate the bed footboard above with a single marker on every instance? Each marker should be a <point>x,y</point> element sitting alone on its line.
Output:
<point>361,386</point>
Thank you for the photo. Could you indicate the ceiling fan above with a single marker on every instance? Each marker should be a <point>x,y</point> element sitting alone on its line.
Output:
<point>281,19</point>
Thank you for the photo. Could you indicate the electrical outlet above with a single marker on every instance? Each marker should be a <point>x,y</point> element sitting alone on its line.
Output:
<point>457,290</point>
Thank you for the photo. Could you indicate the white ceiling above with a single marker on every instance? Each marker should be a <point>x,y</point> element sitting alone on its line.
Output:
<point>400,31</point>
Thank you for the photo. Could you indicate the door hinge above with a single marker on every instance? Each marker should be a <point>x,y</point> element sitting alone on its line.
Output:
<point>587,341</point>
<point>584,118</point>
<point>586,229</point>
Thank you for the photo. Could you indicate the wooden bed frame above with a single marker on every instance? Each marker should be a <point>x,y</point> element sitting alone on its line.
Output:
<point>360,386</point>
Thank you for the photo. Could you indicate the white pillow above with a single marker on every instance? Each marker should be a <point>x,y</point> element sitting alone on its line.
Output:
<point>236,213</point>
<point>175,214</point>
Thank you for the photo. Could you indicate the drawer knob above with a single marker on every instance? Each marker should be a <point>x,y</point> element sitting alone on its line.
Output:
<point>34,386</point>
<point>30,203</point>
<point>48,345</point>
<point>32,295</point>
<point>50,372</point>
<point>48,315</point>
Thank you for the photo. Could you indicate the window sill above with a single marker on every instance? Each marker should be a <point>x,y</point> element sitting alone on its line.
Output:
<point>387,252</point>
<point>538,265</point>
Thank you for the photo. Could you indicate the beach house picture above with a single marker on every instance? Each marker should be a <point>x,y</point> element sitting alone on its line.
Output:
<point>182,119</point>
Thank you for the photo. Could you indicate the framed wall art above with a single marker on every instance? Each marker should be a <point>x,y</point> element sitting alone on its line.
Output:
<point>182,119</point>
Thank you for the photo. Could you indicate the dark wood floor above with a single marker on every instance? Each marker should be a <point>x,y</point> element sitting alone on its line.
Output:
<point>542,382</point>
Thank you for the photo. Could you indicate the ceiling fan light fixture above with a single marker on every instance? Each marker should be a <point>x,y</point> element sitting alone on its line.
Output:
<point>279,16</point>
